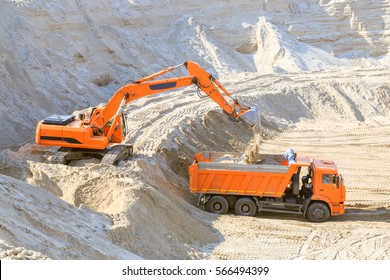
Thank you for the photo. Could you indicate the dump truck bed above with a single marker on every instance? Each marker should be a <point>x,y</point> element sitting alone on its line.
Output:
<point>209,176</point>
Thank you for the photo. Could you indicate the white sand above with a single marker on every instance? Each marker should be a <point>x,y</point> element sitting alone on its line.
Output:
<point>318,71</point>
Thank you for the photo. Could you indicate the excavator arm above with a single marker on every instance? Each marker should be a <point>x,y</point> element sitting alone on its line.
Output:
<point>133,91</point>
<point>148,86</point>
<point>213,89</point>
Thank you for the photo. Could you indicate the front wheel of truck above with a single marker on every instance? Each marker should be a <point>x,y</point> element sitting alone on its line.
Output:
<point>217,204</point>
<point>318,212</point>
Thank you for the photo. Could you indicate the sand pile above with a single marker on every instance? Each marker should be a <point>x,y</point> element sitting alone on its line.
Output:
<point>35,219</point>
<point>137,198</point>
<point>317,70</point>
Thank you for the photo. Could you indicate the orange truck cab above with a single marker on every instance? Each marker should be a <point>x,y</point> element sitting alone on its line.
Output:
<point>276,187</point>
<point>328,185</point>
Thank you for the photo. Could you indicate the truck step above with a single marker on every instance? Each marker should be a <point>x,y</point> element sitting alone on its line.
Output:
<point>280,211</point>
<point>280,207</point>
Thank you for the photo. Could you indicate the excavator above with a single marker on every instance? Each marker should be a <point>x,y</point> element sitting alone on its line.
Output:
<point>101,134</point>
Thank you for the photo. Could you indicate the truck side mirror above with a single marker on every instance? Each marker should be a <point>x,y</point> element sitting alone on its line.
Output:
<point>337,179</point>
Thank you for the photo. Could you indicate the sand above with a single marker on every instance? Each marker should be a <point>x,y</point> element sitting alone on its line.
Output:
<point>326,94</point>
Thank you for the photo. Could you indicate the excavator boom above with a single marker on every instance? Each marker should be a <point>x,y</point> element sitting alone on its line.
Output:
<point>198,76</point>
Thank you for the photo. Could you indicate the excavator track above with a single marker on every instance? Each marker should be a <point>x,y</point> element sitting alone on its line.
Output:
<point>117,153</point>
<point>111,155</point>
<point>57,155</point>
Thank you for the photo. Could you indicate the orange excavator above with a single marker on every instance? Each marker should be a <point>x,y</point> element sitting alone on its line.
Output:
<point>101,134</point>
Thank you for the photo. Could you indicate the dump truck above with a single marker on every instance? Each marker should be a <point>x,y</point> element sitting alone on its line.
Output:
<point>276,187</point>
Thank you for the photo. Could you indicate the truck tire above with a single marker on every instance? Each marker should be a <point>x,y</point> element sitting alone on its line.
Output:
<point>245,207</point>
<point>318,212</point>
<point>217,204</point>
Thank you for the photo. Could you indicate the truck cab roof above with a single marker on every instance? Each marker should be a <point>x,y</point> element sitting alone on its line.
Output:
<point>327,166</point>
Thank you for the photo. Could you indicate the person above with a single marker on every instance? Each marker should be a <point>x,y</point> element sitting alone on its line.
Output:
<point>290,156</point>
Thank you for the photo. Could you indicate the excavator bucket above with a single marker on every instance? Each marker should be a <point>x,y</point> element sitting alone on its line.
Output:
<point>252,117</point>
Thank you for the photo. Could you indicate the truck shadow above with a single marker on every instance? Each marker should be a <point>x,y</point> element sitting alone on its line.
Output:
<point>381,214</point>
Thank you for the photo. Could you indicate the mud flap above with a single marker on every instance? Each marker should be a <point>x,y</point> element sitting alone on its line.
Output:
<point>295,184</point>
<point>201,195</point>
<point>306,203</point>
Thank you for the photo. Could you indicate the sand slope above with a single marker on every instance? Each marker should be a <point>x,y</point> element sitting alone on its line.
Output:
<point>317,70</point>
<point>61,56</point>
<point>34,219</point>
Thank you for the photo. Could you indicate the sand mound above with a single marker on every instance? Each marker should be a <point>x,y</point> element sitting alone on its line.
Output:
<point>137,197</point>
<point>318,71</point>
<point>284,53</point>
<point>32,218</point>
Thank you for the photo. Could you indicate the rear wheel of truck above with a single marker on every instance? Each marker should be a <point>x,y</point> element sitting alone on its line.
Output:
<point>217,204</point>
<point>245,207</point>
<point>318,212</point>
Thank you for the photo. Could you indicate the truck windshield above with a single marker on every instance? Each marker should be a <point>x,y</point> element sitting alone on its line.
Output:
<point>328,179</point>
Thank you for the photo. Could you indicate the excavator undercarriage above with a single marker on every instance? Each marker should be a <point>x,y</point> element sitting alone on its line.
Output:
<point>111,155</point>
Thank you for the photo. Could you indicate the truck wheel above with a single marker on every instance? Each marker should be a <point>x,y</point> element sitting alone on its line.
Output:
<point>318,212</point>
<point>245,207</point>
<point>217,204</point>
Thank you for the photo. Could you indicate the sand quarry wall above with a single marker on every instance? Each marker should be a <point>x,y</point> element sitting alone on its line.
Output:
<point>306,64</point>
<point>60,56</point>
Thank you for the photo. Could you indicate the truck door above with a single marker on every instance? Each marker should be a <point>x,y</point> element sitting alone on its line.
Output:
<point>331,188</point>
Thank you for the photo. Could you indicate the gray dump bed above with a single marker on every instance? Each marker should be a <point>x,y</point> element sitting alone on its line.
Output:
<point>242,167</point>
<point>213,165</point>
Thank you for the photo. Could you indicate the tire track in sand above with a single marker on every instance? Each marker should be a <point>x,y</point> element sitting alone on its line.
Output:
<point>362,157</point>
